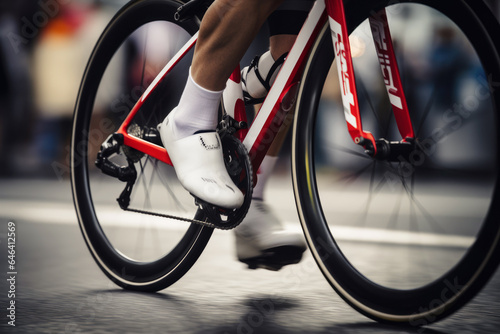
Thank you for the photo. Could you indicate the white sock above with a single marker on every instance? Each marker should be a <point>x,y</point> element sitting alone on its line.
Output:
<point>197,109</point>
<point>265,170</point>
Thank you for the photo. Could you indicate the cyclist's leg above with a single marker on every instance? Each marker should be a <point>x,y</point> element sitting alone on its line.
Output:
<point>220,46</point>
<point>284,26</point>
<point>198,159</point>
<point>262,240</point>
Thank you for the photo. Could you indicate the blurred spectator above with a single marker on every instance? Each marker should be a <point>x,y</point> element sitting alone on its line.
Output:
<point>59,61</point>
<point>15,82</point>
<point>448,60</point>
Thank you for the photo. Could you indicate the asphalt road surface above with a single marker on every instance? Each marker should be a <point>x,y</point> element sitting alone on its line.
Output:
<point>59,289</point>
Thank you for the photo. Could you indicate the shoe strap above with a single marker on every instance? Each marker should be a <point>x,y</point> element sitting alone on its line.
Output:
<point>254,64</point>
<point>267,81</point>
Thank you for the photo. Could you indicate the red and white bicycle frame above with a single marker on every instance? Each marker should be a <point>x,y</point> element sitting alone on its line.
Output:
<point>280,99</point>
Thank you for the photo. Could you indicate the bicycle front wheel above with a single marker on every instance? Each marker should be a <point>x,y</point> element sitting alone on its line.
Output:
<point>407,241</point>
<point>136,251</point>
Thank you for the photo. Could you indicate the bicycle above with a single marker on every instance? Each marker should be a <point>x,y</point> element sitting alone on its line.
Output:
<point>431,207</point>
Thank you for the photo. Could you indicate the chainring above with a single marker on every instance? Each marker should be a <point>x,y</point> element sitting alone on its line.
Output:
<point>240,170</point>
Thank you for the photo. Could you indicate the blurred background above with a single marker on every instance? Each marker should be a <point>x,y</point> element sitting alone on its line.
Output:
<point>44,47</point>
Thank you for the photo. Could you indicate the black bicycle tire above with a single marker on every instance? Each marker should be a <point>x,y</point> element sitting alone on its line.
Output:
<point>407,307</point>
<point>141,276</point>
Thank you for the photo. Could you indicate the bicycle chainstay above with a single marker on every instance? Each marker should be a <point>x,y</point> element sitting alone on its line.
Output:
<point>237,163</point>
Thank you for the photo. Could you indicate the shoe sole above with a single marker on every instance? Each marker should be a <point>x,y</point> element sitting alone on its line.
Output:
<point>275,258</point>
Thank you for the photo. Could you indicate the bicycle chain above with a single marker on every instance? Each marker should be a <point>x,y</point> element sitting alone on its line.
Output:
<point>195,221</point>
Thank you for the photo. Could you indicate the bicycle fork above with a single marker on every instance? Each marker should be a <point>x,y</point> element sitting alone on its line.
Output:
<point>381,148</point>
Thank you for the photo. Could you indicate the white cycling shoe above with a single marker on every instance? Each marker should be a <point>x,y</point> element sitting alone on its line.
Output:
<point>199,164</point>
<point>263,242</point>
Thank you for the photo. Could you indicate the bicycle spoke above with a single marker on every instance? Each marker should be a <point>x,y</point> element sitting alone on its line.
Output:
<point>354,176</point>
<point>427,109</point>
<point>413,216</point>
<point>418,205</point>
<point>393,218</point>
<point>144,57</point>
<point>147,200</point>
<point>370,194</point>
<point>154,231</point>
<point>372,108</point>
<point>140,236</point>
<point>177,202</point>
<point>389,120</point>
<point>349,151</point>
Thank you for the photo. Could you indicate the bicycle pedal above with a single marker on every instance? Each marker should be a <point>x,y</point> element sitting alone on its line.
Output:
<point>275,258</point>
<point>218,217</point>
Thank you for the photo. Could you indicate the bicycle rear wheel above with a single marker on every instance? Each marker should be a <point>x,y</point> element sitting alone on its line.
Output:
<point>407,241</point>
<point>136,251</point>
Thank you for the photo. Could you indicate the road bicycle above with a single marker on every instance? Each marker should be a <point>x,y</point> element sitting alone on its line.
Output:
<point>402,220</point>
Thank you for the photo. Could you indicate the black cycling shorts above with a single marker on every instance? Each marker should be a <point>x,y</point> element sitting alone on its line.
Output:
<point>289,17</point>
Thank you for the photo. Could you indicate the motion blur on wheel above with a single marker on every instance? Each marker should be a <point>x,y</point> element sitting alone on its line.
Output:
<point>400,238</point>
<point>133,212</point>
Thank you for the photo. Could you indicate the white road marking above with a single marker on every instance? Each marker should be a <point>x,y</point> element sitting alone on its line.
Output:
<point>58,213</point>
